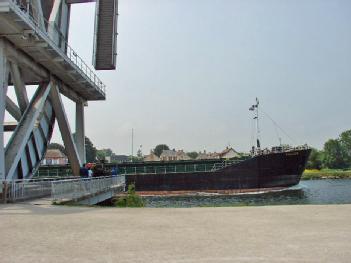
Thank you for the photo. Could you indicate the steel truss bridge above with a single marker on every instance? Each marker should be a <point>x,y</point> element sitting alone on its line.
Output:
<point>34,51</point>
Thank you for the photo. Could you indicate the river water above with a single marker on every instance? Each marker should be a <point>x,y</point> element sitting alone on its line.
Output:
<point>334,191</point>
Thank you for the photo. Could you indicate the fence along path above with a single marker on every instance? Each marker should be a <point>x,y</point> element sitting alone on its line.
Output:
<point>60,190</point>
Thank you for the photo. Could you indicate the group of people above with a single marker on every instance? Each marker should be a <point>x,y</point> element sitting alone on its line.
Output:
<point>87,171</point>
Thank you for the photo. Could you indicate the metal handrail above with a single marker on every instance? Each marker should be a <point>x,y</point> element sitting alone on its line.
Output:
<point>73,189</point>
<point>70,54</point>
<point>28,189</point>
<point>61,189</point>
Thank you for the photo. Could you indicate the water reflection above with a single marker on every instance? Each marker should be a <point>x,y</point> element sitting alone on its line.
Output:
<point>307,192</point>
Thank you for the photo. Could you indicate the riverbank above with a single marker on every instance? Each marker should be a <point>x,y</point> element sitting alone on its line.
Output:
<point>231,234</point>
<point>326,174</point>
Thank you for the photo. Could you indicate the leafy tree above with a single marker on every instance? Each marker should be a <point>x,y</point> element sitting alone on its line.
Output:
<point>103,153</point>
<point>159,148</point>
<point>345,141</point>
<point>315,160</point>
<point>193,155</point>
<point>58,147</point>
<point>139,153</point>
<point>90,150</point>
<point>335,155</point>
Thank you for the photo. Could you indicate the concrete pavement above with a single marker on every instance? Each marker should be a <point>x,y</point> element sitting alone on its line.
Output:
<point>45,233</point>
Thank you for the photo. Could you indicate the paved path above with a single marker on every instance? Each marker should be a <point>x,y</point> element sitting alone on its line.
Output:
<point>44,233</point>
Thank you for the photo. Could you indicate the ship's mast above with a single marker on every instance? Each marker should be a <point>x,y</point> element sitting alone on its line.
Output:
<point>255,108</point>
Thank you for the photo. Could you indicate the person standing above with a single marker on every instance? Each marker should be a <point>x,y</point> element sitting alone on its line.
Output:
<point>114,171</point>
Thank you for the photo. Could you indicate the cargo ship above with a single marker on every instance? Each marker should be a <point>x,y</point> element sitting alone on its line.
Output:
<point>277,167</point>
<point>269,169</point>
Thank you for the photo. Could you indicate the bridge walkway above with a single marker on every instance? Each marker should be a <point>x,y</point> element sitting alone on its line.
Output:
<point>78,190</point>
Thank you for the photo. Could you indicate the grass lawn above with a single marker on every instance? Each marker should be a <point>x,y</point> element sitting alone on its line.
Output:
<point>326,174</point>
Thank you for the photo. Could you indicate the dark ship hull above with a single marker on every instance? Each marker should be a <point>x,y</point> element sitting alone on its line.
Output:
<point>271,170</point>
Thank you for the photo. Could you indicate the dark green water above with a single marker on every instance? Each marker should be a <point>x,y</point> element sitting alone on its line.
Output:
<point>337,191</point>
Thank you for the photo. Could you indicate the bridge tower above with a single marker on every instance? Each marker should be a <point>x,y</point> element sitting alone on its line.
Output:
<point>34,51</point>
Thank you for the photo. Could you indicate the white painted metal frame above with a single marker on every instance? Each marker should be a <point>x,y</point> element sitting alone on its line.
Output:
<point>24,31</point>
<point>3,90</point>
<point>35,118</point>
<point>65,51</point>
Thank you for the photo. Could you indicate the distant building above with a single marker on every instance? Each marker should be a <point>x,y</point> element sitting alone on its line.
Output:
<point>55,157</point>
<point>207,156</point>
<point>173,155</point>
<point>228,153</point>
<point>120,158</point>
<point>225,154</point>
<point>168,155</point>
<point>182,156</point>
<point>151,157</point>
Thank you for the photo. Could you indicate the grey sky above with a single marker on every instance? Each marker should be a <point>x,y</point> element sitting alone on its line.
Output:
<point>188,70</point>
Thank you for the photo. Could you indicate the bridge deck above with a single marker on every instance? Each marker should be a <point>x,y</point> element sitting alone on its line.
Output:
<point>80,190</point>
<point>26,35</point>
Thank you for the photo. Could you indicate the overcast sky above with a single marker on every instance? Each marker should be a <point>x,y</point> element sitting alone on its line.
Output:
<point>188,70</point>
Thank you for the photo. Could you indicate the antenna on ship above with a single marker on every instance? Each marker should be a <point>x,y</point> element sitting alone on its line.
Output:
<point>255,109</point>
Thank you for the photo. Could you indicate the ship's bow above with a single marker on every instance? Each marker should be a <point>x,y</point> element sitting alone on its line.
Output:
<point>282,169</point>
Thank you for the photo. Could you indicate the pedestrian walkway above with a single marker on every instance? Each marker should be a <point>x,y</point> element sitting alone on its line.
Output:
<point>46,233</point>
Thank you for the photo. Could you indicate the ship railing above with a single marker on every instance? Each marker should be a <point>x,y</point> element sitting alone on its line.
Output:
<point>146,169</point>
<point>179,168</point>
<point>225,163</point>
<point>285,148</point>
<point>61,44</point>
<point>218,166</point>
<point>53,172</point>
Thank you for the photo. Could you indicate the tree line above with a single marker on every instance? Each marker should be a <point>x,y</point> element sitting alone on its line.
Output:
<point>93,154</point>
<point>90,149</point>
<point>336,154</point>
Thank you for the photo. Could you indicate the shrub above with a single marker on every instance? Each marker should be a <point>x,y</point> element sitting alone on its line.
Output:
<point>131,199</point>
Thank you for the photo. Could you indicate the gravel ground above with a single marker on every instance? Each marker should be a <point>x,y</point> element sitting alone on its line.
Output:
<point>43,233</point>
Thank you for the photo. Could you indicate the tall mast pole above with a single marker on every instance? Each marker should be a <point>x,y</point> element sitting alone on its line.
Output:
<point>132,143</point>
<point>257,125</point>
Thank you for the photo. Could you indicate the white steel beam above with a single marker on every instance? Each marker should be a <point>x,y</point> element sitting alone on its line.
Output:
<point>3,90</point>
<point>65,130</point>
<point>38,13</point>
<point>23,60</point>
<point>54,15</point>
<point>64,26</point>
<point>19,139</point>
<point>13,109</point>
<point>80,131</point>
<point>55,10</point>
<point>20,87</point>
